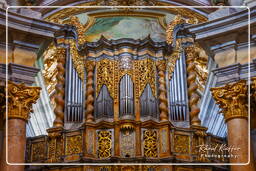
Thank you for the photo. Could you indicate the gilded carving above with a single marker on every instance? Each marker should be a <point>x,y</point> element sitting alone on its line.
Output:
<point>181,144</point>
<point>50,68</point>
<point>232,99</point>
<point>169,32</point>
<point>146,74</point>
<point>51,149</point>
<point>192,85</point>
<point>59,97</point>
<point>89,65</point>
<point>38,151</point>
<point>78,61</point>
<point>73,145</point>
<point>105,75</point>
<point>104,144</point>
<point>55,144</point>
<point>20,100</point>
<point>79,27</point>
<point>171,62</point>
<point>163,103</point>
<point>150,143</point>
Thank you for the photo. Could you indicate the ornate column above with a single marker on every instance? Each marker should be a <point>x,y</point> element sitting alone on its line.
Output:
<point>232,99</point>
<point>20,100</point>
<point>192,86</point>
<point>161,66</point>
<point>89,91</point>
<point>60,90</point>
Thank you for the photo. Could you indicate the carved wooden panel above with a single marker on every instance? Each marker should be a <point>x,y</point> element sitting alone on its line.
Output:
<point>181,144</point>
<point>73,144</point>
<point>104,144</point>
<point>150,143</point>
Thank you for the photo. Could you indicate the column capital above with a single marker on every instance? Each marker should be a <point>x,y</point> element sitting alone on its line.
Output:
<point>232,99</point>
<point>20,100</point>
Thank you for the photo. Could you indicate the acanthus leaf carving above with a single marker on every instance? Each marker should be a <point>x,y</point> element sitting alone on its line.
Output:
<point>232,99</point>
<point>20,100</point>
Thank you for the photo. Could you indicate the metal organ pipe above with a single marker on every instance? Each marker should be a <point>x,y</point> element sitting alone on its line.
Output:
<point>74,92</point>
<point>178,91</point>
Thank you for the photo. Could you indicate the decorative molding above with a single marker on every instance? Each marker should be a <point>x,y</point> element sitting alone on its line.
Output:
<point>232,99</point>
<point>20,100</point>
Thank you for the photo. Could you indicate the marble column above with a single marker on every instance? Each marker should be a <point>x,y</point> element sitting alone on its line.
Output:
<point>232,99</point>
<point>20,100</point>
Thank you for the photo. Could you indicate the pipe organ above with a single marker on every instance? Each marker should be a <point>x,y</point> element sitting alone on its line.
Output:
<point>120,106</point>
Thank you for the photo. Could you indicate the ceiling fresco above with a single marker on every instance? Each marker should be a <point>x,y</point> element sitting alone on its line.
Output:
<point>126,27</point>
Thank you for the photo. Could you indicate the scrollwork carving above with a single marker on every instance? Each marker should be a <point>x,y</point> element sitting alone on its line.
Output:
<point>104,144</point>
<point>105,75</point>
<point>147,75</point>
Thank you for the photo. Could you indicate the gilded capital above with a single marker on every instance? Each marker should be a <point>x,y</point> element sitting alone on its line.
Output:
<point>232,99</point>
<point>20,100</point>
